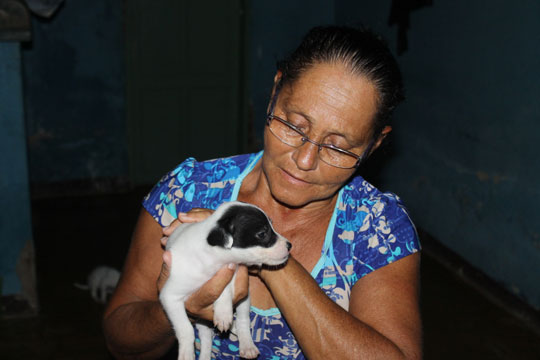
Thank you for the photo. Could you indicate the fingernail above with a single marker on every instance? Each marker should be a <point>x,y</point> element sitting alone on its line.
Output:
<point>231,266</point>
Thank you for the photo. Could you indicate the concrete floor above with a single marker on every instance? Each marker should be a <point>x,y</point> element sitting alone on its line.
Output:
<point>73,235</point>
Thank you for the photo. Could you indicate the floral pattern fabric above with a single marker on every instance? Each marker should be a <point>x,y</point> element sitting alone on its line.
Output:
<point>368,230</point>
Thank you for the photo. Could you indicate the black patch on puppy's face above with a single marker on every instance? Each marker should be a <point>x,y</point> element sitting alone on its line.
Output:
<point>247,225</point>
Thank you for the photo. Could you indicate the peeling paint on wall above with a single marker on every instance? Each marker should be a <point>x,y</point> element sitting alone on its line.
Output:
<point>26,271</point>
<point>16,255</point>
<point>74,89</point>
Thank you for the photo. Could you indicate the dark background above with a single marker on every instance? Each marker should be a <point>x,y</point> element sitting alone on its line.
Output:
<point>109,95</point>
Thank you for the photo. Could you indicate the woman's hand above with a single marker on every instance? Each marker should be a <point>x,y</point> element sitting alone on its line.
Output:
<point>200,303</point>
<point>193,216</point>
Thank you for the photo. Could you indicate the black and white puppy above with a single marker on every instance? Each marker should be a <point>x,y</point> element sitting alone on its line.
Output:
<point>235,233</point>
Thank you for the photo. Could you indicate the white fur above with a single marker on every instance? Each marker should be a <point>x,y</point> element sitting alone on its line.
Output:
<point>194,262</point>
<point>101,283</point>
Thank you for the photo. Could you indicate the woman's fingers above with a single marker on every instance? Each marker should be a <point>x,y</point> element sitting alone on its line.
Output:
<point>200,303</point>
<point>210,291</point>
<point>194,215</point>
<point>164,274</point>
<point>168,230</point>
<point>164,241</point>
<point>241,284</point>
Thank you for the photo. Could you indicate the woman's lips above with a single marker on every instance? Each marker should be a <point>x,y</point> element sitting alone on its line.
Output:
<point>293,179</point>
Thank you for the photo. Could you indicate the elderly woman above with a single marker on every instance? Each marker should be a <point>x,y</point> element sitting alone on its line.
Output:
<point>350,288</point>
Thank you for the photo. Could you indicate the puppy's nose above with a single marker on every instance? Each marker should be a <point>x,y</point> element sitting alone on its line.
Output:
<point>289,246</point>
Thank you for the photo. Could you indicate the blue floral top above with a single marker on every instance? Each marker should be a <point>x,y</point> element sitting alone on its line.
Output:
<point>369,229</point>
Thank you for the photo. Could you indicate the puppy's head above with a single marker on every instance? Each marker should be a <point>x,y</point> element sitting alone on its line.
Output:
<point>246,231</point>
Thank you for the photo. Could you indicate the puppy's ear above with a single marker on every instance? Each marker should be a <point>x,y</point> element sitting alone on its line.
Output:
<point>219,237</point>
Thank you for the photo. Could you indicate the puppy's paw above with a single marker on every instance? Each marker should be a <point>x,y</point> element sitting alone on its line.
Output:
<point>186,354</point>
<point>223,314</point>
<point>223,320</point>
<point>249,351</point>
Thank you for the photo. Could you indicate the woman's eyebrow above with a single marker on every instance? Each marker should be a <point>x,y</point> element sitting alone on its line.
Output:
<point>288,107</point>
<point>312,120</point>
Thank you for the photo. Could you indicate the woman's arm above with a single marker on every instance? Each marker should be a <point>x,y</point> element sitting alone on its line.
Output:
<point>134,322</point>
<point>383,321</point>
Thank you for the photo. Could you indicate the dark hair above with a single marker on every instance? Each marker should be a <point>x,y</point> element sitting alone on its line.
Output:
<point>363,52</point>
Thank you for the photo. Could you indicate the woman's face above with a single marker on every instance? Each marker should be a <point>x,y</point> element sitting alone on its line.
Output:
<point>331,106</point>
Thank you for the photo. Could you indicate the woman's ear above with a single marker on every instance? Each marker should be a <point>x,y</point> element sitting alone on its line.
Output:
<point>385,131</point>
<point>277,79</point>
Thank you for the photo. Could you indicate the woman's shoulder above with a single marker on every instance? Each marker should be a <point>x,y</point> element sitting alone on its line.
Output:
<point>195,184</point>
<point>377,223</point>
<point>210,170</point>
<point>362,194</point>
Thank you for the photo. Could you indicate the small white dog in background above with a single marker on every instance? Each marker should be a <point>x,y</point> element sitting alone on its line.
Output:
<point>101,283</point>
<point>235,233</point>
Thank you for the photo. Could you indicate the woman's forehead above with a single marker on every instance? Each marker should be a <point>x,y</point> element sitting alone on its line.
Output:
<point>335,86</point>
<point>331,93</point>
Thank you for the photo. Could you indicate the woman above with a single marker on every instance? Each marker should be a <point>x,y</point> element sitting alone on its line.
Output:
<point>350,287</point>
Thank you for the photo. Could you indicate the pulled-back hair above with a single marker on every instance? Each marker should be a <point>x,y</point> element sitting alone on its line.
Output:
<point>362,52</point>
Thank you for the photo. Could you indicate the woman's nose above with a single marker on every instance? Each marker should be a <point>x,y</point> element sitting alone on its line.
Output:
<point>306,156</point>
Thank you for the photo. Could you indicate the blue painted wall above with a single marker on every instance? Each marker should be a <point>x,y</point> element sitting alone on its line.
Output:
<point>15,222</point>
<point>466,140</point>
<point>74,94</point>
<point>464,155</point>
<point>274,29</point>
<point>465,158</point>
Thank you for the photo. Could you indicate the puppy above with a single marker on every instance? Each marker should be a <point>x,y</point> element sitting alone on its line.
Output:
<point>101,283</point>
<point>235,233</point>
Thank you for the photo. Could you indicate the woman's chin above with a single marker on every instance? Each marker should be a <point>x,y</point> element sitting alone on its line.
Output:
<point>294,192</point>
<point>292,198</point>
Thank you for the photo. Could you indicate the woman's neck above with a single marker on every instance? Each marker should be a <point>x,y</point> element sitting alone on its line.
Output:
<point>255,190</point>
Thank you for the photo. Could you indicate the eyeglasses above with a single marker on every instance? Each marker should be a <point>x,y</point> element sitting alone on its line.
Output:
<point>289,134</point>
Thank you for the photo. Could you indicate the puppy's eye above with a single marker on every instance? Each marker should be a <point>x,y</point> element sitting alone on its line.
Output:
<point>261,234</point>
